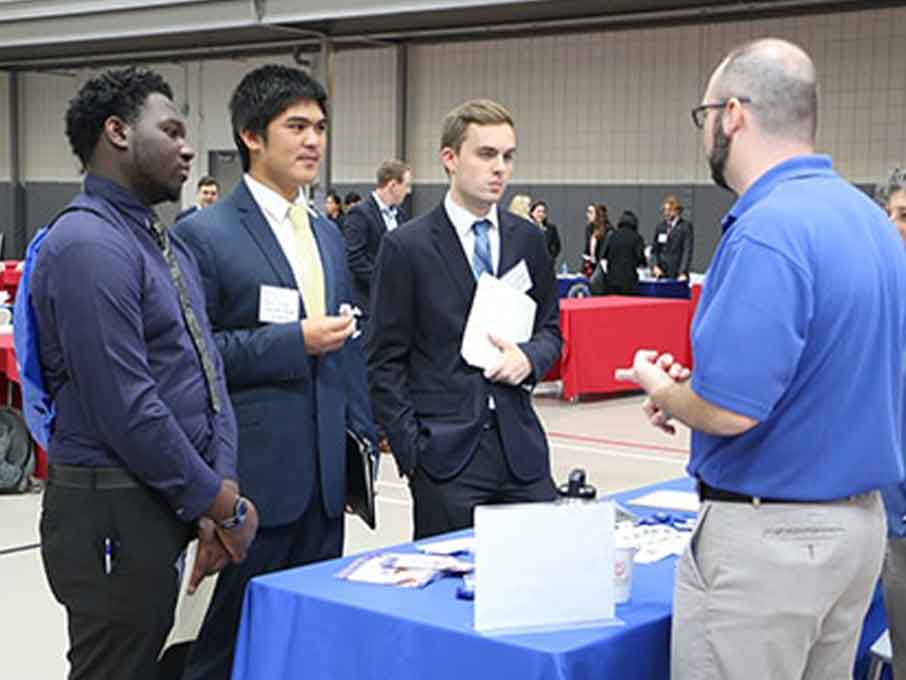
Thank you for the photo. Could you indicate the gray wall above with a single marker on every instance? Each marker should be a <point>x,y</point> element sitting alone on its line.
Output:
<point>6,217</point>
<point>43,200</point>
<point>705,207</point>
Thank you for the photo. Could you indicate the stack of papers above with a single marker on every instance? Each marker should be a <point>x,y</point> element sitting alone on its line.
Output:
<point>403,570</point>
<point>501,308</point>
<point>652,542</point>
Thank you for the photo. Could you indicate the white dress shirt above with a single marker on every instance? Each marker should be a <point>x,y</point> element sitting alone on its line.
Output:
<point>387,213</point>
<point>276,212</point>
<point>463,220</point>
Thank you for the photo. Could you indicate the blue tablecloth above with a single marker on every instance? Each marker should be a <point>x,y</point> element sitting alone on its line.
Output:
<point>572,286</point>
<point>304,623</point>
<point>665,288</point>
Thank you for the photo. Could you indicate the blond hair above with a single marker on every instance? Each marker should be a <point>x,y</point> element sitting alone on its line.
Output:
<point>477,111</point>
<point>520,206</point>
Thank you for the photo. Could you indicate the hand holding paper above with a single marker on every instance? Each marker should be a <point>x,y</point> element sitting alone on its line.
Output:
<point>514,366</point>
<point>326,333</point>
<point>501,311</point>
<point>211,557</point>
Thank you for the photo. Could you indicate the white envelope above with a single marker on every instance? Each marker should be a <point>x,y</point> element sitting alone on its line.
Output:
<point>560,573</point>
<point>518,278</point>
<point>500,310</point>
<point>190,609</point>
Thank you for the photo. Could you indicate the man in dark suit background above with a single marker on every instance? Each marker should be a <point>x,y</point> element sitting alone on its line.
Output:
<point>462,436</point>
<point>275,276</point>
<point>367,222</point>
<point>208,189</point>
<point>673,242</point>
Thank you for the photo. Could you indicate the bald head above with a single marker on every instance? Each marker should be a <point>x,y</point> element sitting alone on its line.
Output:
<point>780,79</point>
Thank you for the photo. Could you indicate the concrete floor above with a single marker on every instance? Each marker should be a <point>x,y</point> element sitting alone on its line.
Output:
<point>608,437</point>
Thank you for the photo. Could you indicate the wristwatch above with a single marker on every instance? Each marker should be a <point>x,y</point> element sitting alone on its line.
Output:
<point>240,510</point>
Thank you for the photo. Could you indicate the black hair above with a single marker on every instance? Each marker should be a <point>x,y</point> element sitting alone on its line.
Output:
<point>117,92</point>
<point>628,219</point>
<point>265,93</point>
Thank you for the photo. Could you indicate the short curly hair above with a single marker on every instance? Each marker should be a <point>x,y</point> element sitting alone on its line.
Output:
<point>117,92</point>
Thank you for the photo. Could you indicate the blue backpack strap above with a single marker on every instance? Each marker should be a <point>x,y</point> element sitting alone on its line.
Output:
<point>37,404</point>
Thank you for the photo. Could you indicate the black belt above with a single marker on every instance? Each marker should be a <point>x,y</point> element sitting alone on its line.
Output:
<point>709,493</point>
<point>78,477</point>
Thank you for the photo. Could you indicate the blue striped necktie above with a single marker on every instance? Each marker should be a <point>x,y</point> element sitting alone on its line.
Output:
<point>481,258</point>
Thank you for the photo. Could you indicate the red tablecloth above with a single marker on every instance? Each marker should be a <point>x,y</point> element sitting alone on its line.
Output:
<point>10,277</point>
<point>602,334</point>
<point>11,395</point>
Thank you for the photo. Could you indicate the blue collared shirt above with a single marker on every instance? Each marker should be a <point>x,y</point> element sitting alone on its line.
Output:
<point>801,326</point>
<point>116,353</point>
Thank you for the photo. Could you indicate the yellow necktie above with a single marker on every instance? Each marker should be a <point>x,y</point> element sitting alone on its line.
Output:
<point>309,261</point>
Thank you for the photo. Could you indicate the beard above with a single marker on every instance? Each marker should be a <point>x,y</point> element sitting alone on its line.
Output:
<point>720,152</point>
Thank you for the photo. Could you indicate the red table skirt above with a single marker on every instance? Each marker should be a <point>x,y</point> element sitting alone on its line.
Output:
<point>9,278</point>
<point>602,334</point>
<point>11,395</point>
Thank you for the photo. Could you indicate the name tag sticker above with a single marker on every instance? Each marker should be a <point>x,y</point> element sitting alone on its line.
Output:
<point>278,305</point>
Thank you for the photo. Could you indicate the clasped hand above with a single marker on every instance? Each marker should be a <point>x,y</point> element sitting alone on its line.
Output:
<point>217,546</point>
<point>654,372</point>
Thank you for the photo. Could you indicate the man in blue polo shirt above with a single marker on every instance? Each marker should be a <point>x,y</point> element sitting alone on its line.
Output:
<point>795,398</point>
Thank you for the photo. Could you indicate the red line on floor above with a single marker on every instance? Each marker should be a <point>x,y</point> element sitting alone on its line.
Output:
<point>617,442</point>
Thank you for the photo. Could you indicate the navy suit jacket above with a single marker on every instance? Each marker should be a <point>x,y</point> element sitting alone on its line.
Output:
<point>675,256</point>
<point>363,231</point>
<point>186,212</point>
<point>432,404</point>
<point>290,407</point>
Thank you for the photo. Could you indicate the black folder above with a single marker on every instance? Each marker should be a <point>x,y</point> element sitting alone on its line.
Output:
<point>360,477</point>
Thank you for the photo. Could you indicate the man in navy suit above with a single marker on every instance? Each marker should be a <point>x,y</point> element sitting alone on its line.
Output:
<point>462,436</point>
<point>207,193</point>
<point>673,243</point>
<point>368,221</point>
<point>275,279</point>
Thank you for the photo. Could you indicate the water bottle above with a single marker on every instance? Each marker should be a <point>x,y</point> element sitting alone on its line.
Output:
<point>576,490</point>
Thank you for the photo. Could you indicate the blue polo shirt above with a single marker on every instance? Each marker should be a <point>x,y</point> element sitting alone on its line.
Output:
<point>801,326</point>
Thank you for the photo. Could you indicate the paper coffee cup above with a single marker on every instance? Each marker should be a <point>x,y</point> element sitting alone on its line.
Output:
<point>622,573</point>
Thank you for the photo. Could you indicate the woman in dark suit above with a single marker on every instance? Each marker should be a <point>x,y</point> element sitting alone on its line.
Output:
<point>596,233</point>
<point>538,213</point>
<point>624,253</point>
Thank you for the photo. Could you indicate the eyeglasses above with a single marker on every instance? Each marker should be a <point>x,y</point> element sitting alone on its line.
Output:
<point>699,113</point>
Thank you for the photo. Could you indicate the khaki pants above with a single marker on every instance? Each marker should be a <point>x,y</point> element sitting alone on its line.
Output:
<point>776,591</point>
